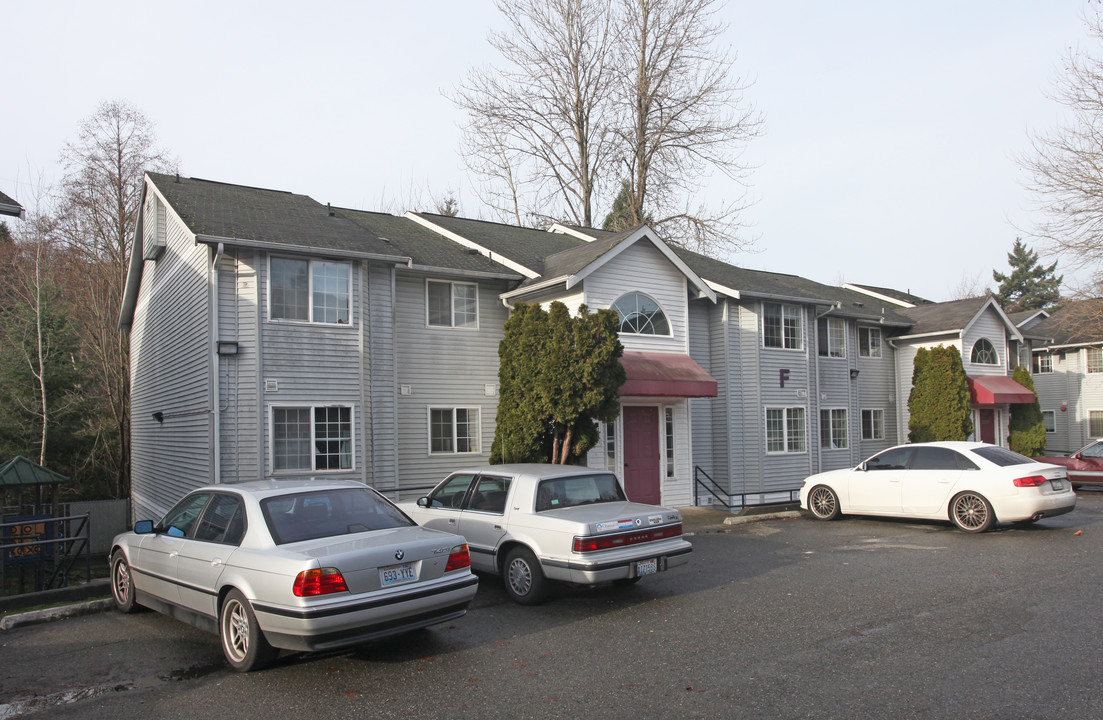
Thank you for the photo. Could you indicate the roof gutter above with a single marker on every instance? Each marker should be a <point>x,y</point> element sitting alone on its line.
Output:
<point>305,249</point>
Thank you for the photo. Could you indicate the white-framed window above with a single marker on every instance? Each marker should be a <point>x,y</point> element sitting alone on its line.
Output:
<point>833,430</point>
<point>452,304</point>
<point>1043,363</point>
<point>1095,423</point>
<point>785,430</point>
<point>984,353</point>
<point>669,434</point>
<point>312,438</point>
<point>831,337</point>
<point>873,424</point>
<point>781,326</point>
<point>1049,419</point>
<point>1095,360</point>
<point>869,342</point>
<point>611,446</point>
<point>309,290</point>
<point>640,315</point>
<point>453,431</point>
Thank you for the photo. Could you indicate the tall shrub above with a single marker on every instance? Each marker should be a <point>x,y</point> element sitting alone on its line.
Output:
<point>1028,429</point>
<point>939,403</point>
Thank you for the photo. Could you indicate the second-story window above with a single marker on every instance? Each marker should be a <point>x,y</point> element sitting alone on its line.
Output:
<point>832,341</point>
<point>984,353</point>
<point>1043,363</point>
<point>781,326</point>
<point>869,342</point>
<point>452,304</point>
<point>310,290</point>
<point>640,315</point>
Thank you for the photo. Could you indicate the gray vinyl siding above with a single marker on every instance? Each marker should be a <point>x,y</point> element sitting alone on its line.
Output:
<point>446,368</point>
<point>786,470</point>
<point>313,364</point>
<point>170,374</point>
<point>835,391</point>
<point>876,389</point>
<point>702,410</point>
<point>989,326</point>
<point>380,422</point>
<point>240,419</point>
<point>1070,385</point>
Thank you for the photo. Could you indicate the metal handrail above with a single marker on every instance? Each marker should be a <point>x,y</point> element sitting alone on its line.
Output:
<point>713,488</point>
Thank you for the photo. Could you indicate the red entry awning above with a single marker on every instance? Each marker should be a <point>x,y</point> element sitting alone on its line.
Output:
<point>997,390</point>
<point>665,375</point>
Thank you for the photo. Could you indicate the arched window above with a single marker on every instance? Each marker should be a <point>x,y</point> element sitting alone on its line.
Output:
<point>984,353</point>
<point>640,315</point>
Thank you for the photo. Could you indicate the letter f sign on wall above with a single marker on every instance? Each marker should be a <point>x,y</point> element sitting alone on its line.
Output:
<point>783,375</point>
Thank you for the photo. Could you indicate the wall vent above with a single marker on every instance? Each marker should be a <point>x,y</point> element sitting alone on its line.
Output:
<point>271,385</point>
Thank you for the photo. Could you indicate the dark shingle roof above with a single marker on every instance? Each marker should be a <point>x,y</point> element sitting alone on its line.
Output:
<point>1078,323</point>
<point>525,246</point>
<point>903,297</point>
<point>944,316</point>
<point>575,259</point>
<point>268,217</point>
<point>422,245</point>
<point>8,206</point>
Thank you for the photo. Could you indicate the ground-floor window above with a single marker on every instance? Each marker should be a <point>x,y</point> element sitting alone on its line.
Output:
<point>611,447</point>
<point>669,433</point>
<point>785,430</point>
<point>312,438</point>
<point>833,435</point>
<point>453,430</point>
<point>1049,419</point>
<point>1095,423</point>
<point>873,424</point>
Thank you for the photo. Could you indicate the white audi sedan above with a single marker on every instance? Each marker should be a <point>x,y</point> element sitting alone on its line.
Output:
<point>293,564</point>
<point>973,485</point>
<point>531,523</point>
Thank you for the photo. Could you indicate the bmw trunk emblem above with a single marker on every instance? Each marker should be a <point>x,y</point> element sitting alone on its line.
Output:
<point>399,555</point>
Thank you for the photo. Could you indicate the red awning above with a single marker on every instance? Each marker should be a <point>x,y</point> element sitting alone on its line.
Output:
<point>997,390</point>
<point>665,375</point>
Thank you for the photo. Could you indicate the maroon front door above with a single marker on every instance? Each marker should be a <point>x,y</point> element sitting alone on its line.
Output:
<point>988,426</point>
<point>641,454</point>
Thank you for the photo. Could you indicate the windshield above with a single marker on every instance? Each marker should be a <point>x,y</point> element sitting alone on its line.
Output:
<point>329,513</point>
<point>577,490</point>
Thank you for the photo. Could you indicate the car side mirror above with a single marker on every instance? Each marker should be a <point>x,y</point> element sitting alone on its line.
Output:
<point>1077,456</point>
<point>143,527</point>
<point>863,467</point>
<point>423,502</point>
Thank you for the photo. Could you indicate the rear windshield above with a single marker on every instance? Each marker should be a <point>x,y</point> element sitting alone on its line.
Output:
<point>1002,456</point>
<point>329,513</point>
<point>577,490</point>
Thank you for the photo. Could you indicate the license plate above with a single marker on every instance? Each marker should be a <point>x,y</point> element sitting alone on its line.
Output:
<point>397,574</point>
<point>1057,484</point>
<point>647,567</point>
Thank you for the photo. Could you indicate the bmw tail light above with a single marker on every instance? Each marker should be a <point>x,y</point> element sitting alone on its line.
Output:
<point>459,558</point>
<point>1030,481</point>
<point>593,543</point>
<point>319,581</point>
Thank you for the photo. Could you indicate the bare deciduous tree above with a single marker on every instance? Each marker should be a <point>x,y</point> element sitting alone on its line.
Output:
<point>686,118</point>
<point>604,98</point>
<point>1066,166</point>
<point>100,193</point>
<point>542,121</point>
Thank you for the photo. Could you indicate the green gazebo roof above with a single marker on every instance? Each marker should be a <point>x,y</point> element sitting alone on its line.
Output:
<point>22,472</point>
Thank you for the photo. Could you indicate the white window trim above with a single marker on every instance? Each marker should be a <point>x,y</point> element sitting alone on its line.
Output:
<point>478,436</point>
<point>828,322</point>
<point>973,352</point>
<point>1053,413</point>
<point>785,429</point>
<point>800,317</point>
<point>452,310</point>
<point>666,316</point>
<point>880,343</point>
<point>309,293</point>
<point>313,438</point>
<point>1087,361</point>
<point>670,442</point>
<point>846,428</point>
<point>1044,370</point>
<point>861,425</point>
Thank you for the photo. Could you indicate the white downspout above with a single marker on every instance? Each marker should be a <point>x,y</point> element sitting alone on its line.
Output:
<point>216,362</point>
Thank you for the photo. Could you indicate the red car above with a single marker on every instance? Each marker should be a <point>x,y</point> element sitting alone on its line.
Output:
<point>1085,466</point>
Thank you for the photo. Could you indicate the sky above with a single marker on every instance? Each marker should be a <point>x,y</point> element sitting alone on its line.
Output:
<point>889,155</point>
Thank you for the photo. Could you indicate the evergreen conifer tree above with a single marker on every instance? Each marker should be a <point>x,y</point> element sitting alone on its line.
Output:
<point>1029,286</point>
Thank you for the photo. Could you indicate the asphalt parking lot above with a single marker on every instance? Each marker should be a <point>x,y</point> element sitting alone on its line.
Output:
<point>861,618</point>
